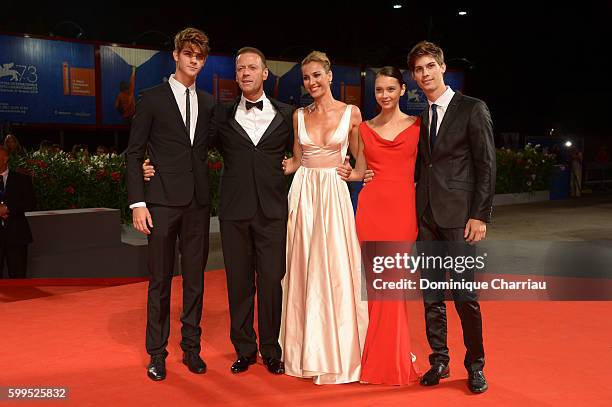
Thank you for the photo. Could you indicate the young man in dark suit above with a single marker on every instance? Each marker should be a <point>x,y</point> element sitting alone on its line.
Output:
<point>16,197</point>
<point>456,184</point>
<point>171,125</point>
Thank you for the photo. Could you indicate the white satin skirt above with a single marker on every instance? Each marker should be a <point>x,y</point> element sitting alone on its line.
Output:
<point>325,315</point>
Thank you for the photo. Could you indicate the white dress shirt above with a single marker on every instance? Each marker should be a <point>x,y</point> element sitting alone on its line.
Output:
<point>178,89</point>
<point>255,121</point>
<point>442,105</point>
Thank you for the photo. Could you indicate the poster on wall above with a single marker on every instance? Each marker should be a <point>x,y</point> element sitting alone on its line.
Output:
<point>127,72</point>
<point>346,84</point>
<point>46,81</point>
<point>219,78</point>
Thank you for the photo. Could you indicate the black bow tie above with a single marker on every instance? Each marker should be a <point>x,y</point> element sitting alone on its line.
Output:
<point>250,105</point>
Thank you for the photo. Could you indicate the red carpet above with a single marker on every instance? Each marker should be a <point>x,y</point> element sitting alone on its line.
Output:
<point>90,338</point>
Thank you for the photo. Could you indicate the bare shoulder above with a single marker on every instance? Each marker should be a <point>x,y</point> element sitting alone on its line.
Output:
<point>355,114</point>
<point>409,120</point>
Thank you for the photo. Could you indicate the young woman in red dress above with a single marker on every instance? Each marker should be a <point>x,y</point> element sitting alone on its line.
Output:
<point>386,212</point>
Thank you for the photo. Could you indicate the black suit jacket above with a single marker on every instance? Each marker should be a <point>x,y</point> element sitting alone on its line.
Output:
<point>457,179</point>
<point>180,167</point>
<point>19,198</point>
<point>252,174</point>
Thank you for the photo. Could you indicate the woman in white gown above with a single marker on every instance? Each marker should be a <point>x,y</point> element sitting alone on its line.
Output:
<point>324,312</point>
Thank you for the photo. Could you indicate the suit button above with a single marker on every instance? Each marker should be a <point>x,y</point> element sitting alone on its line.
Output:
<point>430,165</point>
<point>255,149</point>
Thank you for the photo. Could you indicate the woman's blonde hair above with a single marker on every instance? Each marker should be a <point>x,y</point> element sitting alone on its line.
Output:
<point>320,57</point>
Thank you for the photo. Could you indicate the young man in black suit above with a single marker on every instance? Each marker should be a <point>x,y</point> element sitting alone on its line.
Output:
<point>456,184</point>
<point>171,124</point>
<point>16,197</point>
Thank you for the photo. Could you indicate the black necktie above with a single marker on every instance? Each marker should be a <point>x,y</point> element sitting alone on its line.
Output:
<point>187,113</point>
<point>250,105</point>
<point>433,124</point>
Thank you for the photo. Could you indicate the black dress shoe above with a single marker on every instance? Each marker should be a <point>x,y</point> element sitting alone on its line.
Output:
<point>242,363</point>
<point>433,375</point>
<point>157,368</point>
<point>194,362</point>
<point>275,366</point>
<point>477,382</point>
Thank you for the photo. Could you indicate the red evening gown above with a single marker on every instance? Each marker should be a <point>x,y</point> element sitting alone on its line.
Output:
<point>386,212</point>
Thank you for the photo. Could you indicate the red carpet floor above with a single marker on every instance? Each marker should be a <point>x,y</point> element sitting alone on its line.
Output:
<point>90,338</point>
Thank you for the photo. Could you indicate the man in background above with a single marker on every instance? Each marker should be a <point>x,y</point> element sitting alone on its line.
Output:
<point>16,198</point>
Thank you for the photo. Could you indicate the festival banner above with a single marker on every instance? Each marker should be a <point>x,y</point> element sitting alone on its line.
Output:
<point>46,81</point>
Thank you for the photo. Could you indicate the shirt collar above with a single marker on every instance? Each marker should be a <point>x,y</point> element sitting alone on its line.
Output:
<point>179,87</point>
<point>444,99</point>
<point>262,97</point>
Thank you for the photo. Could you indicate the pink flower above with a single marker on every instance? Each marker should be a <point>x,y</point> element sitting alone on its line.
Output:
<point>70,190</point>
<point>115,176</point>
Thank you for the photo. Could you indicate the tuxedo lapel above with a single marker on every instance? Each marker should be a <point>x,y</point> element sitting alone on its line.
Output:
<point>238,128</point>
<point>278,119</point>
<point>177,112</point>
<point>234,124</point>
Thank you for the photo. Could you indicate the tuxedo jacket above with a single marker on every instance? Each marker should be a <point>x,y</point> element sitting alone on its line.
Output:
<point>252,174</point>
<point>19,198</point>
<point>457,179</point>
<point>181,169</point>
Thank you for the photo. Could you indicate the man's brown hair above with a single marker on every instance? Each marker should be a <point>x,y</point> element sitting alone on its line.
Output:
<point>252,50</point>
<point>425,48</point>
<point>194,37</point>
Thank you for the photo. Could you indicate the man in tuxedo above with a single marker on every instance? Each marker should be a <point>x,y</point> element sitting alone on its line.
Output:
<point>171,125</point>
<point>252,134</point>
<point>16,197</point>
<point>456,184</point>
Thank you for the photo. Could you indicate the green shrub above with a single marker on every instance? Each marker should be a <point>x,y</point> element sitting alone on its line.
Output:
<point>526,170</point>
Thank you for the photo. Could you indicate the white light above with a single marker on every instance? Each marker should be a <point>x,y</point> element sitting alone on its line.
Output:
<point>463,13</point>
<point>26,35</point>
<point>397,6</point>
<point>568,143</point>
